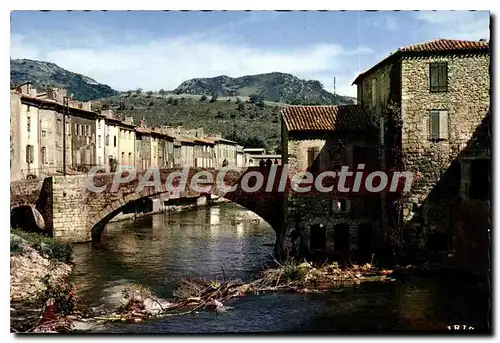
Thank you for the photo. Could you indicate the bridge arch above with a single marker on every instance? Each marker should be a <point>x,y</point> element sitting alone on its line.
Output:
<point>267,206</point>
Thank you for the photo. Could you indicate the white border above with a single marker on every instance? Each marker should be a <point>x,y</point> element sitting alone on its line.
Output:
<point>186,4</point>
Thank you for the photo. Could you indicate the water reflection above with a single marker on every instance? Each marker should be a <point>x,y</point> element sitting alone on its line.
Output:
<point>170,246</point>
<point>159,250</point>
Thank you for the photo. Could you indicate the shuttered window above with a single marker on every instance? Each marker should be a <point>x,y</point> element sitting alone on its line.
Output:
<point>438,75</point>
<point>312,154</point>
<point>438,125</point>
<point>29,153</point>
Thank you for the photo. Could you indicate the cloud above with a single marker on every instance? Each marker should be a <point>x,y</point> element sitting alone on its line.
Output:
<point>468,25</point>
<point>383,21</point>
<point>166,62</point>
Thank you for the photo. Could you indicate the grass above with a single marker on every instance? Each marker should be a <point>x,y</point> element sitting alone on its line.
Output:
<point>44,244</point>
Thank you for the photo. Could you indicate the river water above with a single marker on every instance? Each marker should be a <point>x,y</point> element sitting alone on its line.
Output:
<point>158,250</point>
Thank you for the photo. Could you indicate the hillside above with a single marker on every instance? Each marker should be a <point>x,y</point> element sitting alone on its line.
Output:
<point>276,87</point>
<point>251,124</point>
<point>45,74</point>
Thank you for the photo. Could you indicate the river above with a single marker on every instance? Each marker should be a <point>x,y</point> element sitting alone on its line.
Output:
<point>158,250</point>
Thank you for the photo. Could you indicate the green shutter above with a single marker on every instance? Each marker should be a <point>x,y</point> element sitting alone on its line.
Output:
<point>434,125</point>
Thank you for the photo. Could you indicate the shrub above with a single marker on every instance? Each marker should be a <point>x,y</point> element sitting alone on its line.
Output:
<point>213,99</point>
<point>16,247</point>
<point>47,245</point>
<point>203,97</point>
<point>61,294</point>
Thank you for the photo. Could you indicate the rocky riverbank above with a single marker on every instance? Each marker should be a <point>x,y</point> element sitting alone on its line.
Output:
<point>37,265</point>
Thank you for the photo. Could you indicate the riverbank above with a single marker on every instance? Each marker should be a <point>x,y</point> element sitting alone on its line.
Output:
<point>39,268</point>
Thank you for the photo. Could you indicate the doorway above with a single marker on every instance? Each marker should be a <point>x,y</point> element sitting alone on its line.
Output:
<point>318,237</point>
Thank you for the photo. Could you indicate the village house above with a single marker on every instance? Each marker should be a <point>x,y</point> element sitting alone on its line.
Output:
<point>321,138</point>
<point>111,132</point>
<point>204,153</point>
<point>25,148</point>
<point>142,148</point>
<point>83,139</point>
<point>430,102</point>
<point>100,140</point>
<point>225,150</point>
<point>126,142</point>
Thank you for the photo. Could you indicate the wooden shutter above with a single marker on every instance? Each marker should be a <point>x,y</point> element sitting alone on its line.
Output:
<point>443,124</point>
<point>434,125</point>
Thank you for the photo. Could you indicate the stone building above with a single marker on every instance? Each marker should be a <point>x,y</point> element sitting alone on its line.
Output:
<point>126,142</point>
<point>25,148</point>
<point>100,146</point>
<point>111,132</point>
<point>142,148</point>
<point>83,138</point>
<point>324,138</point>
<point>204,153</point>
<point>429,100</point>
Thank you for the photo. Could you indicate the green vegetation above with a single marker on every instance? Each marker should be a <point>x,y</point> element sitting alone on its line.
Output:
<point>276,87</point>
<point>45,245</point>
<point>46,74</point>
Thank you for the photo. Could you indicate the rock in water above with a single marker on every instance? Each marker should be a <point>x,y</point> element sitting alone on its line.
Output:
<point>27,218</point>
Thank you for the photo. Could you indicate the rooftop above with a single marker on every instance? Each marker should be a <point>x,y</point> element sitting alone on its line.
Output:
<point>326,118</point>
<point>433,46</point>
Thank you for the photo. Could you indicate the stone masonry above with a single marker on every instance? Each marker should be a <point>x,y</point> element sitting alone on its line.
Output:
<point>77,214</point>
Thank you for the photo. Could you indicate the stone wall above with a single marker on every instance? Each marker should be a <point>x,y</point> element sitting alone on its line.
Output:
<point>304,211</point>
<point>434,164</point>
<point>25,192</point>
<point>79,214</point>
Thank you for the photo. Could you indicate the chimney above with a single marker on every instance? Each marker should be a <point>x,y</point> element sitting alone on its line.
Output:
<point>129,120</point>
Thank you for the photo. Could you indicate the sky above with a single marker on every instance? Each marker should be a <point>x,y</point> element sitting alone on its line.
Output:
<point>156,50</point>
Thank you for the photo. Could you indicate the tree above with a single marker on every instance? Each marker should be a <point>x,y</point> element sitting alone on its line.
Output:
<point>214,98</point>
<point>162,92</point>
<point>170,100</point>
<point>176,102</point>
<point>138,91</point>
<point>203,97</point>
<point>255,98</point>
<point>241,106</point>
<point>149,94</point>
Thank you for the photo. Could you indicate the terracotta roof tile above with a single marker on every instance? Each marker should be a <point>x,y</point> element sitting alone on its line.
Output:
<point>326,118</point>
<point>436,45</point>
<point>441,45</point>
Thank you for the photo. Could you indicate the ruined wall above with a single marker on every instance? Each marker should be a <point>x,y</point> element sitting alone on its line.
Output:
<point>434,163</point>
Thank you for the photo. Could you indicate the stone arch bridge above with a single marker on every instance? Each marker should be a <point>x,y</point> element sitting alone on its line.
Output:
<point>74,213</point>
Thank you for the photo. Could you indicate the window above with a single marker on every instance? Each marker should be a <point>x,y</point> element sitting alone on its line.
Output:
<point>312,154</point>
<point>98,124</point>
<point>480,185</point>
<point>27,108</point>
<point>374,92</point>
<point>43,155</point>
<point>28,124</point>
<point>438,75</point>
<point>77,129</point>
<point>107,140</point>
<point>114,141</point>
<point>29,154</point>
<point>87,130</point>
<point>99,160</point>
<point>99,141</point>
<point>438,125</point>
<point>67,129</point>
<point>44,133</point>
<point>341,205</point>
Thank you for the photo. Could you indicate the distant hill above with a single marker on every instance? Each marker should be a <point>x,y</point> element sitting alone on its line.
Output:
<point>276,87</point>
<point>45,74</point>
